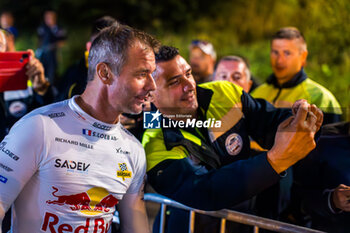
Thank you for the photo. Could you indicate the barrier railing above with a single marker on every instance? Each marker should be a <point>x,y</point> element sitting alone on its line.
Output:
<point>230,215</point>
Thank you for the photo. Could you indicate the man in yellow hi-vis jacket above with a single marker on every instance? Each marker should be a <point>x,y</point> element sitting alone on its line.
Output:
<point>289,82</point>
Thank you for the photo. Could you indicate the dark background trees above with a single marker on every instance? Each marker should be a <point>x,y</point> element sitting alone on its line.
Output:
<point>235,27</point>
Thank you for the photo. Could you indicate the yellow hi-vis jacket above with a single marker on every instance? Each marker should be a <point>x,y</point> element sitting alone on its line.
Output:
<point>300,87</point>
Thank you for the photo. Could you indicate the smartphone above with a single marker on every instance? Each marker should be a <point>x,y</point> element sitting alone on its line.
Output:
<point>12,71</point>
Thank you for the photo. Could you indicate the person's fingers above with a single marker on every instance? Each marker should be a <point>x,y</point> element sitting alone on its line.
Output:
<point>34,68</point>
<point>32,71</point>
<point>319,120</point>
<point>345,192</point>
<point>313,109</point>
<point>296,105</point>
<point>338,199</point>
<point>341,197</point>
<point>32,54</point>
<point>345,206</point>
<point>284,124</point>
<point>343,186</point>
<point>31,63</point>
<point>311,121</point>
<point>302,113</point>
<point>319,115</point>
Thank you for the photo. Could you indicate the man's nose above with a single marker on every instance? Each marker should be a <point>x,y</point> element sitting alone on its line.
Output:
<point>188,84</point>
<point>150,84</point>
<point>280,59</point>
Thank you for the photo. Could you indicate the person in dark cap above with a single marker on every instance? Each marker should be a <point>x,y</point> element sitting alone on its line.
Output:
<point>289,82</point>
<point>51,37</point>
<point>75,78</point>
<point>202,60</point>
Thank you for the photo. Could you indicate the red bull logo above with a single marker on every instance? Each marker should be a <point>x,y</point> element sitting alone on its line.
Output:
<point>94,201</point>
<point>51,224</point>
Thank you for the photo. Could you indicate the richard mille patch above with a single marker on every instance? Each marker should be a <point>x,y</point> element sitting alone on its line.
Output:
<point>234,144</point>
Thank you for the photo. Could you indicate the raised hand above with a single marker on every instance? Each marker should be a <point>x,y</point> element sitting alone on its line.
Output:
<point>36,74</point>
<point>295,136</point>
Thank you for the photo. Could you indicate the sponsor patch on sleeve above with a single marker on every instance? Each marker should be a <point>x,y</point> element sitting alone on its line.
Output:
<point>123,172</point>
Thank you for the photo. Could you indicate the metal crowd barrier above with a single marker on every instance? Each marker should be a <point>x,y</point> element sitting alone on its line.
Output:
<point>230,215</point>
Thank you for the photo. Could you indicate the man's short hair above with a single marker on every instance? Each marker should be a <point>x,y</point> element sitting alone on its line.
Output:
<point>8,13</point>
<point>238,59</point>
<point>49,9</point>
<point>290,33</point>
<point>101,23</point>
<point>166,53</point>
<point>112,44</point>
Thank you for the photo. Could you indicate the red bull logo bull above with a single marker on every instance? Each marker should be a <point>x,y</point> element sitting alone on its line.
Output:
<point>80,201</point>
<point>106,203</point>
<point>94,201</point>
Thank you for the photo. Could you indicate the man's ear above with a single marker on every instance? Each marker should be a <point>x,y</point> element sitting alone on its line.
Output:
<point>250,83</point>
<point>304,56</point>
<point>104,73</point>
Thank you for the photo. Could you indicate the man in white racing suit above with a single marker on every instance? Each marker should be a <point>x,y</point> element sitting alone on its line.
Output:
<point>65,166</point>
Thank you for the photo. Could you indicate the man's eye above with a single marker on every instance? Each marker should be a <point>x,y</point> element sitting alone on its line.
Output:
<point>174,82</point>
<point>222,76</point>
<point>236,77</point>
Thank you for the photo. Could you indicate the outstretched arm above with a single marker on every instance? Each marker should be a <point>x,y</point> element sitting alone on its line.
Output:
<point>36,74</point>
<point>240,180</point>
